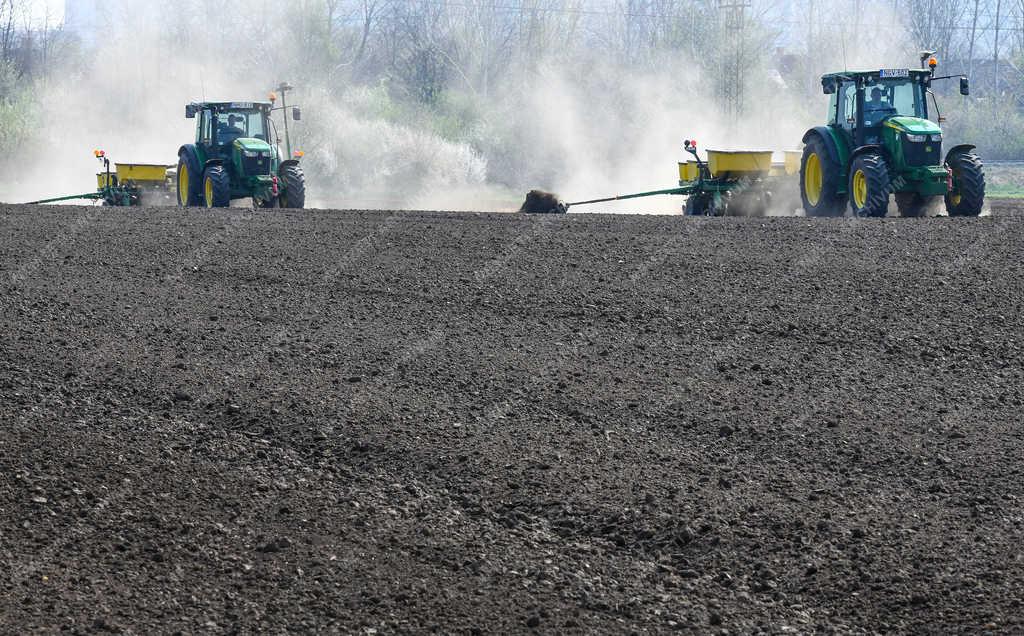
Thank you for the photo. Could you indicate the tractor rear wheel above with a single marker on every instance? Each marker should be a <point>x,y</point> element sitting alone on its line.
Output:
<point>294,182</point>
<point>968,195</point>
<point>189,183</point>
<point>216,187</point>
<point>820,179</point>
<point>870,185</point>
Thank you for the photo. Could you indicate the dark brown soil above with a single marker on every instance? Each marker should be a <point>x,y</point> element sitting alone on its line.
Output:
<point>277,421</point>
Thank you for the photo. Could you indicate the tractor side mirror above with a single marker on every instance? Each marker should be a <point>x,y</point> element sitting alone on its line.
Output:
<point>296,114</point>
<point>965,86</point>
<point>190,111</point>
<point>828,86</point>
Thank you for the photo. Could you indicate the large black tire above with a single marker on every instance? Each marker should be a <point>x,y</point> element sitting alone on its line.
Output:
<point>968,195</point>
<point>216,187</point>
<point>189,183</point>
<point>870,185</point>
<point>820,180</point>
<point>294,182</point>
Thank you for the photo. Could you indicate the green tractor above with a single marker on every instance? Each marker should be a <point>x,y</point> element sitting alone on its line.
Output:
<point>879,141</point>
<point>233,158</point>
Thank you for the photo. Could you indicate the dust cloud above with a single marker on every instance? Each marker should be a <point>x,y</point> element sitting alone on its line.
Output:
<point>580,126</point>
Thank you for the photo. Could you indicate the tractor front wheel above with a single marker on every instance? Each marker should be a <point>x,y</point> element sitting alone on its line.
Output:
<point>216,187</point>
<point>870,185</point>
<point>189,184</point>
<point>294,182</point>
<point>968,194</point>
<point>820,179</point>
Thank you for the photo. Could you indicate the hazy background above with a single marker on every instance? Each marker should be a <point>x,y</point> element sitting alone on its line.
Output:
<point>467,104</point>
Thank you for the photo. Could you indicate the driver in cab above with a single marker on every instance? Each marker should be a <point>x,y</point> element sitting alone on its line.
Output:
<point>231,130</point>
<point>876,108</point>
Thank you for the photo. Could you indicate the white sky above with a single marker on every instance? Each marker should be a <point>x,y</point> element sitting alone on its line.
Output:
<point>43,11</point>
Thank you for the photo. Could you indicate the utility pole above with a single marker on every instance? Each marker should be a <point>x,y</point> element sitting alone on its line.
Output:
<point>974,33</point>
<point>995,56</point>
<point>733,15</point>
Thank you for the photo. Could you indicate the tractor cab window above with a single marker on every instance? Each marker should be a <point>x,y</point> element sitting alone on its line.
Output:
<point>233,125</point>
<point>205,127</point>
<point>848,105</point>
<point>891,98</point>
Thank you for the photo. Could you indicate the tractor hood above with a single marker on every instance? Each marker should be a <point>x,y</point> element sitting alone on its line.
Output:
<point>249,144</point>
<point>913,126</point>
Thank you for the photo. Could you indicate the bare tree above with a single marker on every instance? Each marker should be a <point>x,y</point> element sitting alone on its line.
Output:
<point>933,24</point>
<point>995,48</point>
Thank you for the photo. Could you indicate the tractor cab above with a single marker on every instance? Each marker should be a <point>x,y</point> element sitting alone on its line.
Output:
<point>862,102</point>
<point>237,133</point>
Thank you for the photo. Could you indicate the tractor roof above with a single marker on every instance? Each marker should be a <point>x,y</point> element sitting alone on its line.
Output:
<point>885,73</point>
<point>232,105</point>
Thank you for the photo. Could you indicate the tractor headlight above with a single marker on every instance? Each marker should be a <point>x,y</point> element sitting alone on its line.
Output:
<point>936,138</point>
<point>250,154</point>
<point>917,139</point>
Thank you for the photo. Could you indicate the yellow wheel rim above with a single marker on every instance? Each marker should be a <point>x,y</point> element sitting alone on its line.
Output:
<point>812,179</point>
<point>955,199</point>
<point>183,184</point>
<point>209,192</point>
<point>860,189</point>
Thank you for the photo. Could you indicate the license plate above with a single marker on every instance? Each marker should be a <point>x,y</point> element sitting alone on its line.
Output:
<point>241,105</point>
<point>888,73</point>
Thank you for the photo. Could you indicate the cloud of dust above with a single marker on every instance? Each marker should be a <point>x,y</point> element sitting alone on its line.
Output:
<point>609,130</point>
<point>357,161</point>
<point>616,133</point>
<point>583,131</point>
<point>128,99</point>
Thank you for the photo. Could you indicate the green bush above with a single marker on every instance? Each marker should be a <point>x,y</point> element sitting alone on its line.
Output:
<point>996,126</point>
<point>16,111</point>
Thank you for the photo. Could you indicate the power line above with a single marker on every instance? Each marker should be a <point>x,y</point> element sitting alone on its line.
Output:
<point>687,14</point>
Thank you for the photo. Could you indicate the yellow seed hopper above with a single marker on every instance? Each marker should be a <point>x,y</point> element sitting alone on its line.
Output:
<point>738,164</point>
<point>789,166</point>
<point>689,171</point>
<point>142,173</point>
